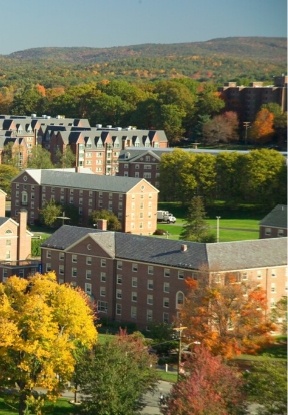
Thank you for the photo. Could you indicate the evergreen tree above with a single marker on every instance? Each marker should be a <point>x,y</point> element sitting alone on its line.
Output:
<point>195,228</point>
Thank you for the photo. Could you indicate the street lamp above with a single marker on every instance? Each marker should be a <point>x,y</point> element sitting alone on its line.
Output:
<point>218,222</point>
<point>246,126</point>
<point>180,329</point>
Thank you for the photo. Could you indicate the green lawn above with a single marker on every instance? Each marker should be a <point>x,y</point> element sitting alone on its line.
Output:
<point>229,229</point>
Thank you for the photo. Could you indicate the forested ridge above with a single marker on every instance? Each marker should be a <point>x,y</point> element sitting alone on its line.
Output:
<point>239,59</point>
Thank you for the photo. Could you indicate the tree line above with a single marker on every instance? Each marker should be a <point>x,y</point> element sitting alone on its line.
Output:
<point>258,176</point>
<point>183,108</point>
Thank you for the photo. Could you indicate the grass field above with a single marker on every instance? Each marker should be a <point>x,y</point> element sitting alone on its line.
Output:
<point>229,229</point>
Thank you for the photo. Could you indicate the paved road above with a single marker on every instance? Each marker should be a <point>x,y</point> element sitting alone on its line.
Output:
<point>151,399</point>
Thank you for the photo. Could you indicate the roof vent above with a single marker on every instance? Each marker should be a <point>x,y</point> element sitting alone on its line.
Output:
<point>184,248</point>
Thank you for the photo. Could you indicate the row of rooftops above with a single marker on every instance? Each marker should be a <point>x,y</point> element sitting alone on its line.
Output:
<point>222,256</point>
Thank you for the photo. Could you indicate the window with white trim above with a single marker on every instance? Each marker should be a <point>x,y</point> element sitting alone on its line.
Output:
<point>88,288</point>
<point>133,312</point>
<point>150,299</point>
<point>118,309</point>
<point>119,294</point>
<point>103,276</point>
<point>134,282</point>
<point>150,285</point>
<point>119,279</point>
<point>134,296</point>
<point>166,287</point>
<point>166,302</point>
<point>88,274</point>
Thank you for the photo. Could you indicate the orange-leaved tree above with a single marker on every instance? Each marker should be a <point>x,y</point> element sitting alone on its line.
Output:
<point>227,317</point>
<point>262,128</point>
<point>42,324</point>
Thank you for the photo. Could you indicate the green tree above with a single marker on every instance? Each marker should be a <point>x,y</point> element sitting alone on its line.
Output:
<point>262,177</point>
<point>11,154</point>
<point>66,159</point>
<point>39,159</point>
<point>42,324</point>
<point>27,101</point>
<point>195,227</point>
<point>266,384</point>
<point>113,223</point>
<point>175,167</point>
<point>114,378</point>
<point>227,176</point>
<point>7,174</point>
<point>50,212</point>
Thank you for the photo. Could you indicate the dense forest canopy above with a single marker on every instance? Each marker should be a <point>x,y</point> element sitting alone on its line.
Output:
<point>239,59</point>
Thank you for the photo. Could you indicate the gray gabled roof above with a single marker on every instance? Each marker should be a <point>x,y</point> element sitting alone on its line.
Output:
<point>277,218</point>
<point>3,220</point>
<point>67,236</point>
<point>132,153</point>
<point>223,256</point>
<point>58,177</point>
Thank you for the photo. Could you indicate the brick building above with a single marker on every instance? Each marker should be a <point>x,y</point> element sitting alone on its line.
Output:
<point>134,201</point>
<point>139,279</point>
<point>274,225</point>
<point>247,100</point>
<point>15,244</point>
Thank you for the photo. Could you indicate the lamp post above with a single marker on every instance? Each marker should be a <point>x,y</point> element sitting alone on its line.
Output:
<point>179,329</point>
<point>218,223</point>
<point>246,126</point>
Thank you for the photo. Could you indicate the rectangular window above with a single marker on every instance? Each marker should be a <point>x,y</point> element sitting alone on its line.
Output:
<point>166,318</point>
<point>165,302</point>
<point>166,287</point>
<point>61,269</point>
<point>48,254</point>
<point>166,272</point>
<point>150,299</point>
<point>267,231</point>
<point>102,306</point>
<point>180,275</point>
<point>150,285</point>
<point>134,267</point>
<point>48,267</point>
<point>119,294</point>
<point>134,296</point>
<point>119,264</point>
<point>273,287</point>
<point>280,233</point>
<point>74,258</point>
<point>134,282</point>
<point>74,272</point>
<point>273,273</point>
<point>88,288</point>
<point>103,276</point>
<point>118,309</point>
<point>150,270</point>
<point>119,279</point>
<point>149,315</point>
<point>88,260</point>
<point>103,262</point>
<point>88,274</point>
<point>133,312</point>
<point>102,291</point>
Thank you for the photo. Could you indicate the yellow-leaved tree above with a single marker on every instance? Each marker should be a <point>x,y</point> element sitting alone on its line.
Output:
<point>42,324</point>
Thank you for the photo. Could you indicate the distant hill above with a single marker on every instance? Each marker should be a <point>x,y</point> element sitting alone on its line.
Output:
<point>241,59</point>
<point>256,48</point>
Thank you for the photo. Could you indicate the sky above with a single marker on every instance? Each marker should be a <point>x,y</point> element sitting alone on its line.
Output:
<point>29,24</point>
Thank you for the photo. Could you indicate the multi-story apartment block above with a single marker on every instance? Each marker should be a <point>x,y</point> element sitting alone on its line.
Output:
<point>247,100</point>
<point>139,279</point>
<point>15,245</point>
<point>274,225</point>
<point>134,201</point>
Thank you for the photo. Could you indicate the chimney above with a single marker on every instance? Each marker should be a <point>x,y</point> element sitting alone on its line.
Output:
<point>184,248</point>
<point>2,203</point>
<point>102,224</point>
<point>24,243</point>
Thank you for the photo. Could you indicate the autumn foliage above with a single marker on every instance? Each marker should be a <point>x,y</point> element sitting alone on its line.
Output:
<point>262,128</point>
<point>208,387</point>
<point>42,324</point>
<point>226,317</point>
